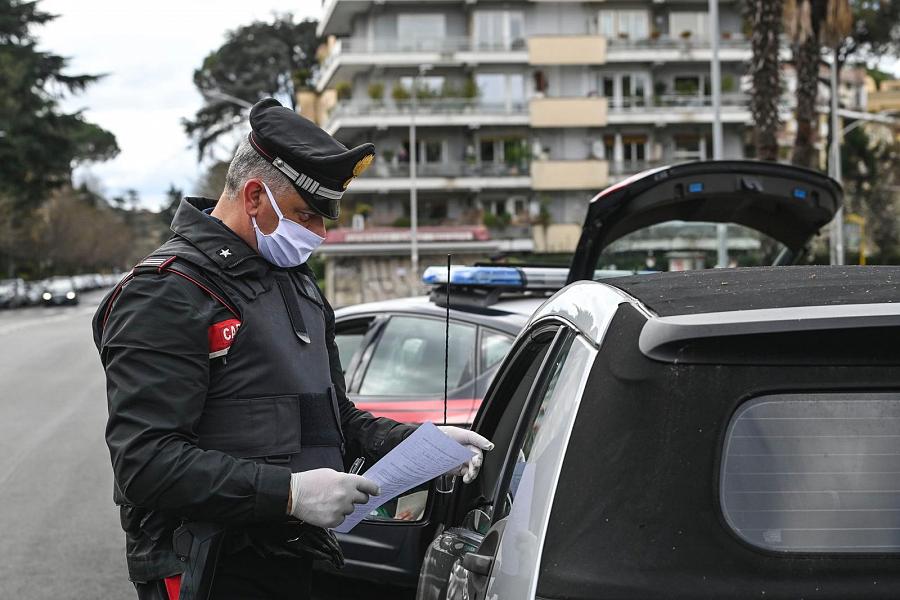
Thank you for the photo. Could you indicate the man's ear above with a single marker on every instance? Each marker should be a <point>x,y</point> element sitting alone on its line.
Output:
<point>251,195</point>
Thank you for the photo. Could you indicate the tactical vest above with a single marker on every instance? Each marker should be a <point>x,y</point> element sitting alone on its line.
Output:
<point>270,396</point>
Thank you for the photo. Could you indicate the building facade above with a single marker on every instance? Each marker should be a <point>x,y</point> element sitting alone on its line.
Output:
<point>523,109</point>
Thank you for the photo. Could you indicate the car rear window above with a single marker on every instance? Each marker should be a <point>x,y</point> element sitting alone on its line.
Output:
<point>815,472</point>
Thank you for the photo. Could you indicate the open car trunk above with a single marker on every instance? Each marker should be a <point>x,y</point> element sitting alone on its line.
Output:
<point>789,204</point>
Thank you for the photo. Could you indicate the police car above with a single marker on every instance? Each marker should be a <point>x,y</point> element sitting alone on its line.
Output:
<point>393,351</point>
<point>789,204</point>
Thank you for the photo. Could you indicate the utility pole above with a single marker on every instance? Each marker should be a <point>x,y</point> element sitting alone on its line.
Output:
<point>413,198</point>
<point>715,73</point>
<point>837,225</point>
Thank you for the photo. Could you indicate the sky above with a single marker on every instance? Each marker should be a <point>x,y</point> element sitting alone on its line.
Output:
<point>149,51</point>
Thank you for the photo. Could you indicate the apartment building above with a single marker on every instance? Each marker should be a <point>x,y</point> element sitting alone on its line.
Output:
<point>523,106</point>
<point>523,109</point>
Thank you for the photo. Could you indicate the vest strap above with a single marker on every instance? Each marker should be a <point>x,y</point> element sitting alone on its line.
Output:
<point>167,264</point>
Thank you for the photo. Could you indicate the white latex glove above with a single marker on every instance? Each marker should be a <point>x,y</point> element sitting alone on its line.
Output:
<point>474,442</point>
<point>324,497</point>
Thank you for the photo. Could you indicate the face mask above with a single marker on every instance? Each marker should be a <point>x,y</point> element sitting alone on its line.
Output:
<point>290,244</point>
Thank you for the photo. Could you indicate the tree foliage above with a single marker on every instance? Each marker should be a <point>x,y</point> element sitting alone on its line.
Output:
<point>871,178</point>
<point>257,60</point>
<point>39,143</point>
<point>764,17</point>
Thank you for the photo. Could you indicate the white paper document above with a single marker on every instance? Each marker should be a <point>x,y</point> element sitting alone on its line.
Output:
<point>421,457</point>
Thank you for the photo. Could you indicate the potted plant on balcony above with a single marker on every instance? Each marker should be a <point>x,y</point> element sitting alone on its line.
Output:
<point>655,34</point>
<point>399,93</point>
<point>726,35</point>
<point>728,84</point>
<point>376,92</point>
<point>623,35</point>
<point>344,90</point>
<point>686,34</point>
<point>470,92</point>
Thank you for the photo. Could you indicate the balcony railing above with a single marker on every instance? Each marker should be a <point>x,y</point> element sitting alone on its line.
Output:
<point>665,42</point>
<point>443,45</point>
<point>429,106</point>
<point>440,45</point>
<point>639,104</point>
<point>449,169</point>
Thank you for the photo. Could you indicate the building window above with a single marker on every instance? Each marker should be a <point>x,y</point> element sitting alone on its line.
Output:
<point>697,23</point>
<point>429,86</point>
<point>499,30</point>
<point>427,152</point>
<point>499,89</point>
<point>421,30</point>
<point>632,24</point>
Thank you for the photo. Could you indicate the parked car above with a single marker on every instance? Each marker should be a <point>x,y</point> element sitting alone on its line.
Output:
<point>60,290</point>
<point>12,293</point>
<point>399,345</point>
<point>707,434</point>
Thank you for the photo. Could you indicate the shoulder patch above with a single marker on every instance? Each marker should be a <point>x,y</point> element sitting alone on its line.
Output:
<point>221,336</point>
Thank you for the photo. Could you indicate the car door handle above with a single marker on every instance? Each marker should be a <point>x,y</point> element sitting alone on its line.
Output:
<point>479,564</point>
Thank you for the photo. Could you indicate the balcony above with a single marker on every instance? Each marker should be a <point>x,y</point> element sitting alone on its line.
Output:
<point>432,112</point>
<point>356,55</point>
<point>569,174</point>
<point>676,49</point>
<point>447,176</point>
<point>678,108</point>
<point>567,50</point>
<point>568,112</point>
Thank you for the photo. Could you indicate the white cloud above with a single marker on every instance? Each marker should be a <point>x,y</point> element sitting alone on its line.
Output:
<point>149,51</point>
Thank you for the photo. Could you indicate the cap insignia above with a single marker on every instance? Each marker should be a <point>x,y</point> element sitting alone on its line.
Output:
<point>362,165</point>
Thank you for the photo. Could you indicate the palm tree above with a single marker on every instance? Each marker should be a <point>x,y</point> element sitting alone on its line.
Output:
<point>765,19</point>
<point>810,24</point>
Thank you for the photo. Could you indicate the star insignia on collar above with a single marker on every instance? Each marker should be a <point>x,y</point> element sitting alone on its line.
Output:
<point>225,253</point>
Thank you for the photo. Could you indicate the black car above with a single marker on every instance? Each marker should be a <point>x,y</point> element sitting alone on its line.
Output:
<point>787,203</point>
<point>59,291</point>
<point>708,434</point>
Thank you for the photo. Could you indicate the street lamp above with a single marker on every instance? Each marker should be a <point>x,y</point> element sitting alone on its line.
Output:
<point>413,199</point>
<point>716,85</point>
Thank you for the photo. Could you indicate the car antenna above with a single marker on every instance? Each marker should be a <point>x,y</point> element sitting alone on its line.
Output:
<point>447,339</point>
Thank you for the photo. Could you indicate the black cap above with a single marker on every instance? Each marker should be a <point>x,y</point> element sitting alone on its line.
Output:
<point>319,166</point>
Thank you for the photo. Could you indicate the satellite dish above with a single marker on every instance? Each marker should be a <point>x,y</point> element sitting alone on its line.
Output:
<point>598,150</point>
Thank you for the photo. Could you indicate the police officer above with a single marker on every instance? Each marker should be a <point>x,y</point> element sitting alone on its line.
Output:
<point>229,427</point>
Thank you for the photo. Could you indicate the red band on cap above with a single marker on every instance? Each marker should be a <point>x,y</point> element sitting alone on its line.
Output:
<point>257,147</point>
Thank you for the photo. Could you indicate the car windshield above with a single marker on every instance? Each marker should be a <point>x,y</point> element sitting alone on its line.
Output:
<point>60,285</point>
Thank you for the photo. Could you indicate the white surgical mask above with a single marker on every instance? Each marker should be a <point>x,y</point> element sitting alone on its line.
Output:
<point>290,244</point>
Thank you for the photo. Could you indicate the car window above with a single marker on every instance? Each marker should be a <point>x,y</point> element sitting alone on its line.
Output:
<point>526,495</point>
<point>349,338</point>
<point>409,358</point>
<point>814,472</point>
<point>494,347</point>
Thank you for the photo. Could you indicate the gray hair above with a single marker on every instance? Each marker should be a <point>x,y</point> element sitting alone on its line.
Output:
<point>248,164</point>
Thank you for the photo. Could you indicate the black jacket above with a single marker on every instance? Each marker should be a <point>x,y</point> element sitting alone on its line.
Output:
<point>154,342</point>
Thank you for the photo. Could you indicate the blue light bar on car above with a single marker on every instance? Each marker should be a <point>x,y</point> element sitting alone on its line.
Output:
<point>695,188</point>
<point>800,193</point>
<point>475,276</point>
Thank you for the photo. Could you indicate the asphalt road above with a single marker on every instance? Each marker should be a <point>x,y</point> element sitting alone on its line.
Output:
<point>59,530</point>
